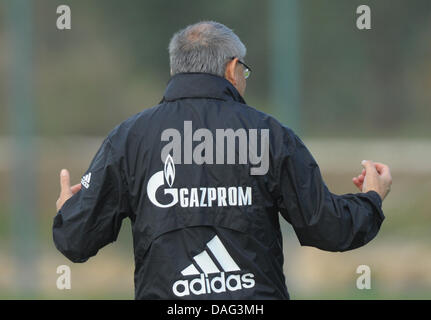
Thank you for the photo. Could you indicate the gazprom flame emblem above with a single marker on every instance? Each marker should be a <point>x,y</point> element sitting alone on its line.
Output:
<point>169,170</point>
<point>157,181</point>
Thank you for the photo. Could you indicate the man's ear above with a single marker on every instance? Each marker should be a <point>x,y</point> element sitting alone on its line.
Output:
<point>229,73</point>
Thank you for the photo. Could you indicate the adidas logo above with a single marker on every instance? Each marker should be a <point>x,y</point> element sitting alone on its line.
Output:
<point>85,181</point>
<point>221,265</point>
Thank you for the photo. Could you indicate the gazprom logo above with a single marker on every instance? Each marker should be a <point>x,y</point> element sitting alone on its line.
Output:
<point>193,197</point>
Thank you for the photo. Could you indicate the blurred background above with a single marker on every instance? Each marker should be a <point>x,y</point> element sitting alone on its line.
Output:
<point>350,94</point>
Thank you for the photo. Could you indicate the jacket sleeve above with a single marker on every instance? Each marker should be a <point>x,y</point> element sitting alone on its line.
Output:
<point>320,218</point>
<point>92,217</point>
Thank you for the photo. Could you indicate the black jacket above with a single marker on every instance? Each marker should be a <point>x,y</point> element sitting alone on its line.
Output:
<point>203,178</point>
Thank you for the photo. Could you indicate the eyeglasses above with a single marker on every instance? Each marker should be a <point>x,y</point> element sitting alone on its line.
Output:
<point>247,70</point>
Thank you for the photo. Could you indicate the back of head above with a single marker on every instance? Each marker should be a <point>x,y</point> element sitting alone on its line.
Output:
<point>206,47</point>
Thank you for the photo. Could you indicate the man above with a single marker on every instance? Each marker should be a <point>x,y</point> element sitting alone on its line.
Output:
<point>203,177</point>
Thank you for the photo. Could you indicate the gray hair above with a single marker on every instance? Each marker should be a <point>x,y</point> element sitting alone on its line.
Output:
<point>206,46</point>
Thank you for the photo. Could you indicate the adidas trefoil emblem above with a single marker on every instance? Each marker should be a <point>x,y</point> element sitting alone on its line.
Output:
<point>85,181</point>
<point>227,273</point>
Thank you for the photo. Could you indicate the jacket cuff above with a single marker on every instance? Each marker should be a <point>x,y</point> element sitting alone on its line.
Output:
<point>377,201</point>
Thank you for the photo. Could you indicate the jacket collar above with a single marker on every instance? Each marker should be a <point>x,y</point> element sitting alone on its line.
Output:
<point>200,85</point>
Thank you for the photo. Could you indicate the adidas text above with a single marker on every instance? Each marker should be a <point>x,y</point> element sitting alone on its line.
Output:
<point>218,284</point>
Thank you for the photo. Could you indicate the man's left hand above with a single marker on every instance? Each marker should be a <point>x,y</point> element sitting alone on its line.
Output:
<point>359,180</point>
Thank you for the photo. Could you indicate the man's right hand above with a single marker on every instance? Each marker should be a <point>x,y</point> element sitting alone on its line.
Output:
<point>66,191</point>
<point>374,177</point>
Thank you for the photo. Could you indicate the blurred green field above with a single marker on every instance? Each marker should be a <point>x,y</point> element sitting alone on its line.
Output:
<point>399,257</point>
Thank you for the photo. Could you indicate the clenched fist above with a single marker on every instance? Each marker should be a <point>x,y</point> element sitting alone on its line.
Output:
<point>374,177</point>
